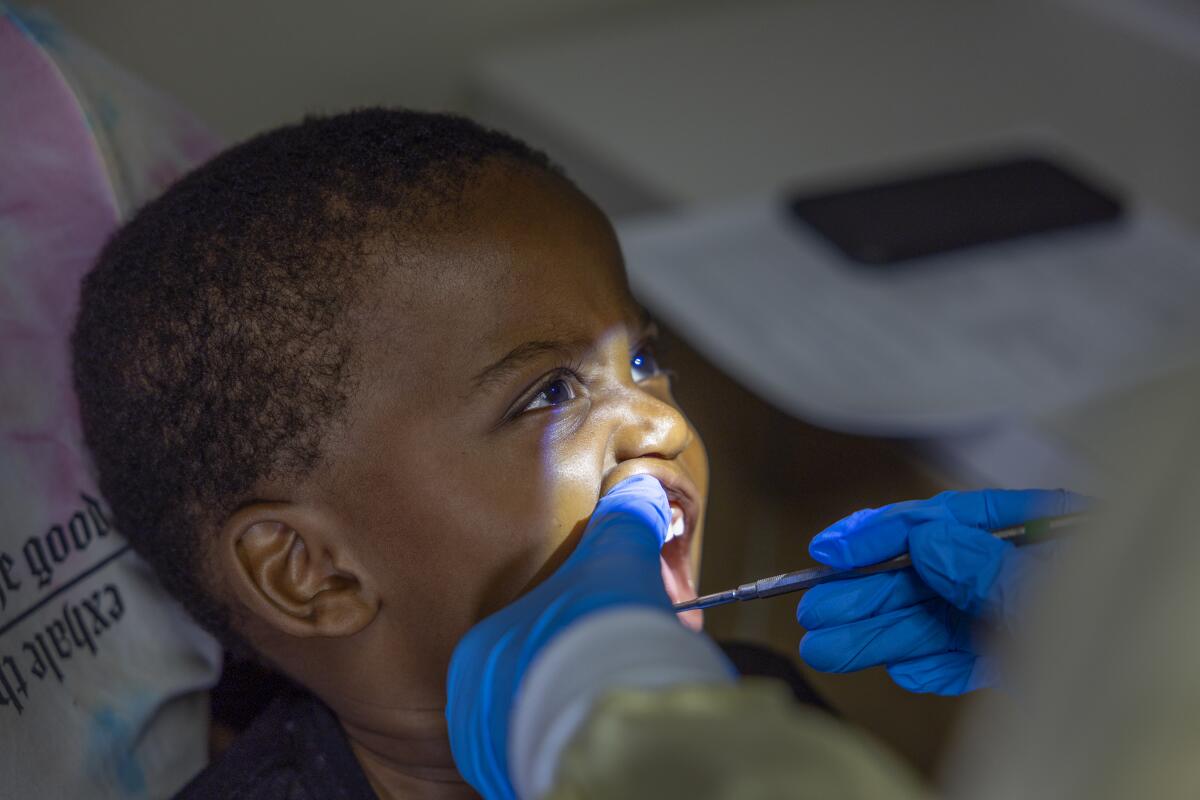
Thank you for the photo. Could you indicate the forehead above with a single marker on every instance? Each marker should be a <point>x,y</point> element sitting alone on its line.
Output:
<point>528,257</point>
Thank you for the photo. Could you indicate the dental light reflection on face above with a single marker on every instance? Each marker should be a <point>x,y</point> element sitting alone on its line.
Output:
<point>502,398</point>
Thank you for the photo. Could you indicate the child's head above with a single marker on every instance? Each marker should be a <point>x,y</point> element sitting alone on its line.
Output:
<point>357,383</point>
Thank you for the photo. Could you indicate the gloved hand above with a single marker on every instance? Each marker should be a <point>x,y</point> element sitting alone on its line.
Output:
<point>920,621</point>
<point>616,563</point>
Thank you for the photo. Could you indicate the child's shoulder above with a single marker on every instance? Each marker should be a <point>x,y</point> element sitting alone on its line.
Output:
<point>294,750</point>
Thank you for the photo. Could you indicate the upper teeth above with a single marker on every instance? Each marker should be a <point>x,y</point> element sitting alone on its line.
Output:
<point>676,528</point>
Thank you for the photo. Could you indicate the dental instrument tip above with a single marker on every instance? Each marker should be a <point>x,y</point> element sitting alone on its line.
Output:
<point>707,601</point>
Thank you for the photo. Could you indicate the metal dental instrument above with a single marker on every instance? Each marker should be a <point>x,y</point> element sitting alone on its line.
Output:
<point>801,580</point>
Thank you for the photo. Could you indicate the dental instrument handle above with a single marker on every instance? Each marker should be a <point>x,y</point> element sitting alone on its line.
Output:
<point>801,580</point>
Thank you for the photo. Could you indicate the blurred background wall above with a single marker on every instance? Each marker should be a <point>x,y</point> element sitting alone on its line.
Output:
<point>246,66</point>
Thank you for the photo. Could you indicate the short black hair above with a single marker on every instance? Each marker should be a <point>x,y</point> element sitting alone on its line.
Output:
<point>212,348</point>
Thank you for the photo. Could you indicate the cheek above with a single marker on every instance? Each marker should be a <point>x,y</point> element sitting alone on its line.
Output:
<point>568,476</point>
<point>695,461</point>
<point>519,514</point>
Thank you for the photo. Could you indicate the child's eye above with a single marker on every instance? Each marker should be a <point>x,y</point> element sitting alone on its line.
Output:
<point>555,393</point>
<point>644,364</point>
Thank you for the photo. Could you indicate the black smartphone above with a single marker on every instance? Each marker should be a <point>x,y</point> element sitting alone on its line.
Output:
<point>951,209</point>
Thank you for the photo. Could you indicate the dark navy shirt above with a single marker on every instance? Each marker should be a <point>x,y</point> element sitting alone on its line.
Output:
<point>294,750</point>
<point>297,750</point>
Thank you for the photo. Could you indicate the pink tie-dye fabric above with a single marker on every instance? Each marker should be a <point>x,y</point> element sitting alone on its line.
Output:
<point>56,207</point>
<point>101,675</point>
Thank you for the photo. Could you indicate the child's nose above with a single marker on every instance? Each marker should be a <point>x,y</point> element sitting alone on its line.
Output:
<point>649,426</point>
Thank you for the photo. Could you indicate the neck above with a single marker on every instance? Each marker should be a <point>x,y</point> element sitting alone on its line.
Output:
<point>392,710</point>
<point>406,754</point>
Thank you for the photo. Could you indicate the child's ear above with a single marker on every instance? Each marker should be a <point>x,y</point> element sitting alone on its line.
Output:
<point>290,568</point>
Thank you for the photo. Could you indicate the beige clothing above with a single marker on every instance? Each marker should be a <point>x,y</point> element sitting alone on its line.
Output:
<point>747,741</point>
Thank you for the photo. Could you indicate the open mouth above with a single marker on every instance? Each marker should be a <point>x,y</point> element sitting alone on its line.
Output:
<point>677,555</point>
<point>676,559</point>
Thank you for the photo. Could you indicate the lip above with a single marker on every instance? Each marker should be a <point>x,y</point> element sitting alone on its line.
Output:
<point>679,488</point>
<point>679,578</point>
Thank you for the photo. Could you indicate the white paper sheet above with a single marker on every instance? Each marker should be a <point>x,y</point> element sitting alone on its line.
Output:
<point>953,342</point>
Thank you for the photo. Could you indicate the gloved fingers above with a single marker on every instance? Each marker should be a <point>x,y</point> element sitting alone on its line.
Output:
<point>922,630</point>
<point>634,513</point>
<point>993,509</point>
<point>623,538</point>
<point>958,562</point>
<point>877,534</point>
<point>845,601</point>
<point>871,535</point>
<point>942,673</point>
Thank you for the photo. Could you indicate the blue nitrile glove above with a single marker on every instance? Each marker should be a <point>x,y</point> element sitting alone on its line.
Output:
<point>919,621</point>
<point>615,564</point>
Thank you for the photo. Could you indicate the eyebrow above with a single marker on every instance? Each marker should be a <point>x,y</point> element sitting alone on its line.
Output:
<point>522,354</point>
